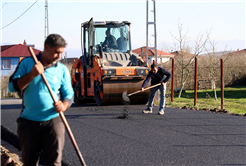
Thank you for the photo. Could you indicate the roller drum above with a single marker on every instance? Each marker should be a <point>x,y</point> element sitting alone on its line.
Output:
<point>112,91</point>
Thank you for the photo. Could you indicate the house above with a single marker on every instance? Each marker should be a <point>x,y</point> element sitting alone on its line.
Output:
<point>185,55</point>
<point>12,54</point>
<point>240,52</point>
<point>161,55</point>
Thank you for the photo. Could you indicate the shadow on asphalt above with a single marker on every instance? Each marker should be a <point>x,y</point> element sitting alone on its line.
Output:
<point>87,115</point>
<point>83,105</point>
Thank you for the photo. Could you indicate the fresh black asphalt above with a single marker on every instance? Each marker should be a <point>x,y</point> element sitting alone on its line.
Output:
<point>180,137</point>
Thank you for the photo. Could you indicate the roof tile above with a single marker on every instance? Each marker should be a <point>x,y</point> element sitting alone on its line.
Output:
<point>151,52</point>
<point>18,50</point>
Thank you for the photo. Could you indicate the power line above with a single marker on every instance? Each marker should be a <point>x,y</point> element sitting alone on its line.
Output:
<point>4,5</point>
<point>19,16</point>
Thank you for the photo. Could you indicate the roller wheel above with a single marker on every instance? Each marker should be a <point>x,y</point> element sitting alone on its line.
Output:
<point>75,98</point>
<point>98,92</point>
<point>76,89</point>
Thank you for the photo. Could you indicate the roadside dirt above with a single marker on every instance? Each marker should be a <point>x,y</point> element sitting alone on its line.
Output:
<point>215,110</point>
<point>9,159</point>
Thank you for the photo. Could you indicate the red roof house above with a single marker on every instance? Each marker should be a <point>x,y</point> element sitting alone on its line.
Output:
<point>161,55</point>
<point>11,55</point>
<point>18,50</point>
<point>240,52</point>
<point>186,55</point>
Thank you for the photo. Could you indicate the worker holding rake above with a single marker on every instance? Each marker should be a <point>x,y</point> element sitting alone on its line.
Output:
<point>39,125</point>
<point>157,75</point>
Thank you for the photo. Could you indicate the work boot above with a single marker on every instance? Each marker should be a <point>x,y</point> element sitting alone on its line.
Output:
<point>161,112</point>
<point>147,111</point>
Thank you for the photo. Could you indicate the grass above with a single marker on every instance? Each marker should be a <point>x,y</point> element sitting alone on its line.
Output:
<point>234,99</point>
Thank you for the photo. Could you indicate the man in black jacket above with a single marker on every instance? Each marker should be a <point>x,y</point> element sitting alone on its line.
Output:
<point>156,75</point>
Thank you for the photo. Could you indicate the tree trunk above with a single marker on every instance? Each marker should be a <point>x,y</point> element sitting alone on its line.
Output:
<point>182,85</point>
<point>181,89</point>
<point>213,85</point>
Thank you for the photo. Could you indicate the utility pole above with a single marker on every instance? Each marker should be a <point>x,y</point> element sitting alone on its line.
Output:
<point>46,21</point>
<point>147,31</point>
<point>147,37</point>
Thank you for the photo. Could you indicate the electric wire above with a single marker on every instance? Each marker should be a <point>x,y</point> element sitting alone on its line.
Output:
<point>20,15</point>
<point>3,5</point>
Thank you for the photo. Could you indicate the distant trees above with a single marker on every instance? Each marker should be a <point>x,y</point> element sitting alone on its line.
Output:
<point>185,51</point>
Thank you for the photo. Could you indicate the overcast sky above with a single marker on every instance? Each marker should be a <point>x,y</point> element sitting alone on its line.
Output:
<point>225,19</point>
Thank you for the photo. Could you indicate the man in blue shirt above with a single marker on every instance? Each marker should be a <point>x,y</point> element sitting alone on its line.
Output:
<point>156,75</point>
<point>39,125</point>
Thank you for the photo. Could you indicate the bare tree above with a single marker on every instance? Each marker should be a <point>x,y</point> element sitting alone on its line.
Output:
<point>213,64</point>
<point>185,54</point>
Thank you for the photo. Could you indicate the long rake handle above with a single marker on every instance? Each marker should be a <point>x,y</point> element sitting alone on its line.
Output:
<point>144,89</point>
<point>64,120</point>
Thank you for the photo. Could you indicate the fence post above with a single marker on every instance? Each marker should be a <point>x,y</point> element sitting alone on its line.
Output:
<point>195,83</point>
<point>222,84</point>
<point>172,86</point>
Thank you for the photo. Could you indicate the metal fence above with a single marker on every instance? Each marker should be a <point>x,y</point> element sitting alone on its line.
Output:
<point>233,76</point>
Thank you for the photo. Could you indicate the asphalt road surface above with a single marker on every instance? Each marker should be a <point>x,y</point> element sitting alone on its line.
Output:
<point>180,137</point>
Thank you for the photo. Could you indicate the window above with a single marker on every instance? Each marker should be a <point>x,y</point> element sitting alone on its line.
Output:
<point>6,63</point>
<point>119,41</point>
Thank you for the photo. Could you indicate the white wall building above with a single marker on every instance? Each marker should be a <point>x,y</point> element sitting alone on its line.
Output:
<point>162,56</point>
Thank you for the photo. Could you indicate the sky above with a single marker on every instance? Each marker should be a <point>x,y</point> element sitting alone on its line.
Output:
<point>224,19</point>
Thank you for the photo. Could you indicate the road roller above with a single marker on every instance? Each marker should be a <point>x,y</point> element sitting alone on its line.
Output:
<point>107,66</point>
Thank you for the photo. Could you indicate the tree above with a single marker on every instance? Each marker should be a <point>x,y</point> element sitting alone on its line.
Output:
<point>185,54</point>
<point>213,64</point>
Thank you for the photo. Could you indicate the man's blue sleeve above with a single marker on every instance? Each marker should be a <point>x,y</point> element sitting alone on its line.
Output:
<point>66,88</point>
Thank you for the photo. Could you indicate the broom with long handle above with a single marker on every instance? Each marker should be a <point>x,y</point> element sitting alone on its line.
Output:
<point>126,98</point>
